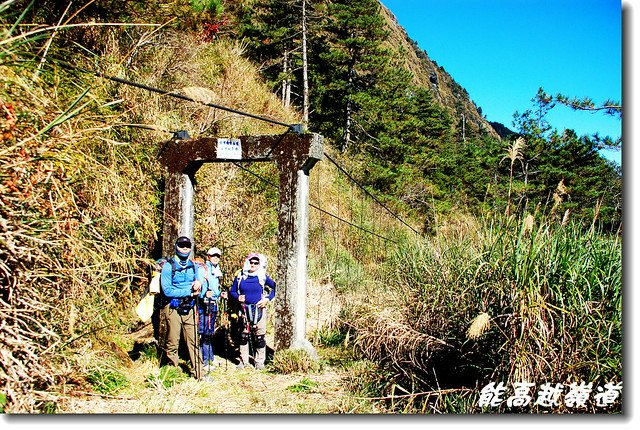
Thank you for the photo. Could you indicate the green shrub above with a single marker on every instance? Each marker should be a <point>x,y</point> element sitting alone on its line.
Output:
<point>293,361</point>
<point>303,386</point>
<point>167,377</point>
<point>107,381</point>
<point>328,336</point>
<point>212,6</point>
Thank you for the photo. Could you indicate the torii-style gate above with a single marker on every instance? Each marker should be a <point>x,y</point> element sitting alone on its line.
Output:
<point>294,155</point>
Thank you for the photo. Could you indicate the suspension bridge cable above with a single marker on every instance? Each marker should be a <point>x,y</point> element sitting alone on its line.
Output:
<point>294,127</point>
<point>180,96</point>
<point>316,207</point>
<point>290,127</point>
<point>368,193</point>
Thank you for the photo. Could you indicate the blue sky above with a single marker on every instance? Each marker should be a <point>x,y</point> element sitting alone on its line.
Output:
<point>502,51</point>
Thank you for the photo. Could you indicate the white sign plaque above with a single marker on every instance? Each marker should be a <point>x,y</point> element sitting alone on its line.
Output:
<point>230,149</point>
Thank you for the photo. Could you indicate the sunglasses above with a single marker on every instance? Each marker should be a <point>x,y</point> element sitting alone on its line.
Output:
<point>254,263</point>
<point>184,245</point>
<point>214,255</point>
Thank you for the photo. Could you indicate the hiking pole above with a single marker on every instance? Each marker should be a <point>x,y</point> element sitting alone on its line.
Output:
<point>247,328</point>
<point>222,310</point>
<point>254,316</point>
<point>212,313</point>
<point>204,342</point>
<point>196,341</point>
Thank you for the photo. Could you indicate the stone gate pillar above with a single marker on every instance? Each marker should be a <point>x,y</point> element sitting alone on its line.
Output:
<point>178,221</point>
<point>293,242</point>
<point>294,155</point>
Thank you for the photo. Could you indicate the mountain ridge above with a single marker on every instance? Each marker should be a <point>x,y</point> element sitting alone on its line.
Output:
<point>441,84</point>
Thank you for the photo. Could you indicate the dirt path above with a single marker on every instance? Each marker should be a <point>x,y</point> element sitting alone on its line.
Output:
<point>232,391</point>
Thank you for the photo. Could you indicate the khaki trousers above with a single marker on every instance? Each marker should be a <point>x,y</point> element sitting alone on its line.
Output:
<point>261,353</point>
<point>187,325</point>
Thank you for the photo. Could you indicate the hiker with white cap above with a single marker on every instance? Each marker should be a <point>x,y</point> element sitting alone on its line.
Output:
<point>181,280</point>
<point>208,306</point>
<point>254,289</point>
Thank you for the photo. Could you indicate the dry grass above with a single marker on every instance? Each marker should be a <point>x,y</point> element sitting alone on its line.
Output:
<point>294,361</point>
<point>479,326</point>
<point>324,306</point>
<point>231,392</point>
<point>237,213</point>
<point>384,336</point>
<point>544,301</point>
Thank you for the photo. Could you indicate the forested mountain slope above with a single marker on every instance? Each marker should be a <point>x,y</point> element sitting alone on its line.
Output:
<point>524,231</point>
<point>428,74</point>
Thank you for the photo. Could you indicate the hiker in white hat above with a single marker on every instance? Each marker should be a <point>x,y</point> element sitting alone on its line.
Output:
<point>254,290</point>
<point>208,306</point>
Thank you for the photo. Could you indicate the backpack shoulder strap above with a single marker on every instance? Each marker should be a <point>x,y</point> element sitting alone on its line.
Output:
<point>238,276</point>
<point>205,267</point>
<point>175,268</point>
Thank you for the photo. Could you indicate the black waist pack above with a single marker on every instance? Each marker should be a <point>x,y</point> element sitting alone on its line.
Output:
<point>183,305</point>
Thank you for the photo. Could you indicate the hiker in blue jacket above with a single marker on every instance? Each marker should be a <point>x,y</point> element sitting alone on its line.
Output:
<point>253,289</point>
<point>208,306</point>
<point>181,280</point>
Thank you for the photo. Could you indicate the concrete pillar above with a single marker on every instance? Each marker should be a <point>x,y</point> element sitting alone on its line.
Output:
<point>295,155</point>
<point>178,210</point>
<point>293,229</point>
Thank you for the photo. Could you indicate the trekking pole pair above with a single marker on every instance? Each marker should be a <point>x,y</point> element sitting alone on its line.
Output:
<point>248,329</point>
<point>209,316</point>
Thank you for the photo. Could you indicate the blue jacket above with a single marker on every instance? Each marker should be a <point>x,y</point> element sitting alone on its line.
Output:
<point>180,284</point>
<point>213,281</point>
<point>251,288</point>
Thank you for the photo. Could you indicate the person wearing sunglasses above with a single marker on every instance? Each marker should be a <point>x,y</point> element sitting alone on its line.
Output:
<point>253,289</point>
<point>208,307</point>
<point>181,280</point>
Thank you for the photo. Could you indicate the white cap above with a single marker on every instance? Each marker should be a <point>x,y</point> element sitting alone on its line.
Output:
<point>214,250</point>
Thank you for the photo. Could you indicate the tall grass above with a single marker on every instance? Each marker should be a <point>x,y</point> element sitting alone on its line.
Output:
<point>80,187</point>
<point>75,222</point>
<point>548,298</point>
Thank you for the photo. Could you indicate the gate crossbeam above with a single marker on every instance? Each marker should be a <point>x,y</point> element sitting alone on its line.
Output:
<point>294,155</point>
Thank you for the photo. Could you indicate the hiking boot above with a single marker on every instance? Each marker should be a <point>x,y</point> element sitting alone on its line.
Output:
<point>261,354</point>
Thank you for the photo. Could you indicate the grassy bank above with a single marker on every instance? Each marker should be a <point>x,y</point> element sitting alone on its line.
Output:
<point>498,300</point>
<point>408,324</point>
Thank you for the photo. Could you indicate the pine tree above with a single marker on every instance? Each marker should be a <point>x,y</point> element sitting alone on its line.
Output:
<point>552,157</point>
<point>349,65</point>
<point>273,30</point>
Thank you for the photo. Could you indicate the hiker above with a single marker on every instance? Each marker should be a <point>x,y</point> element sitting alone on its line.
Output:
<point>253,289</point>
<point>181,280</point>
<point>208,306</point>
